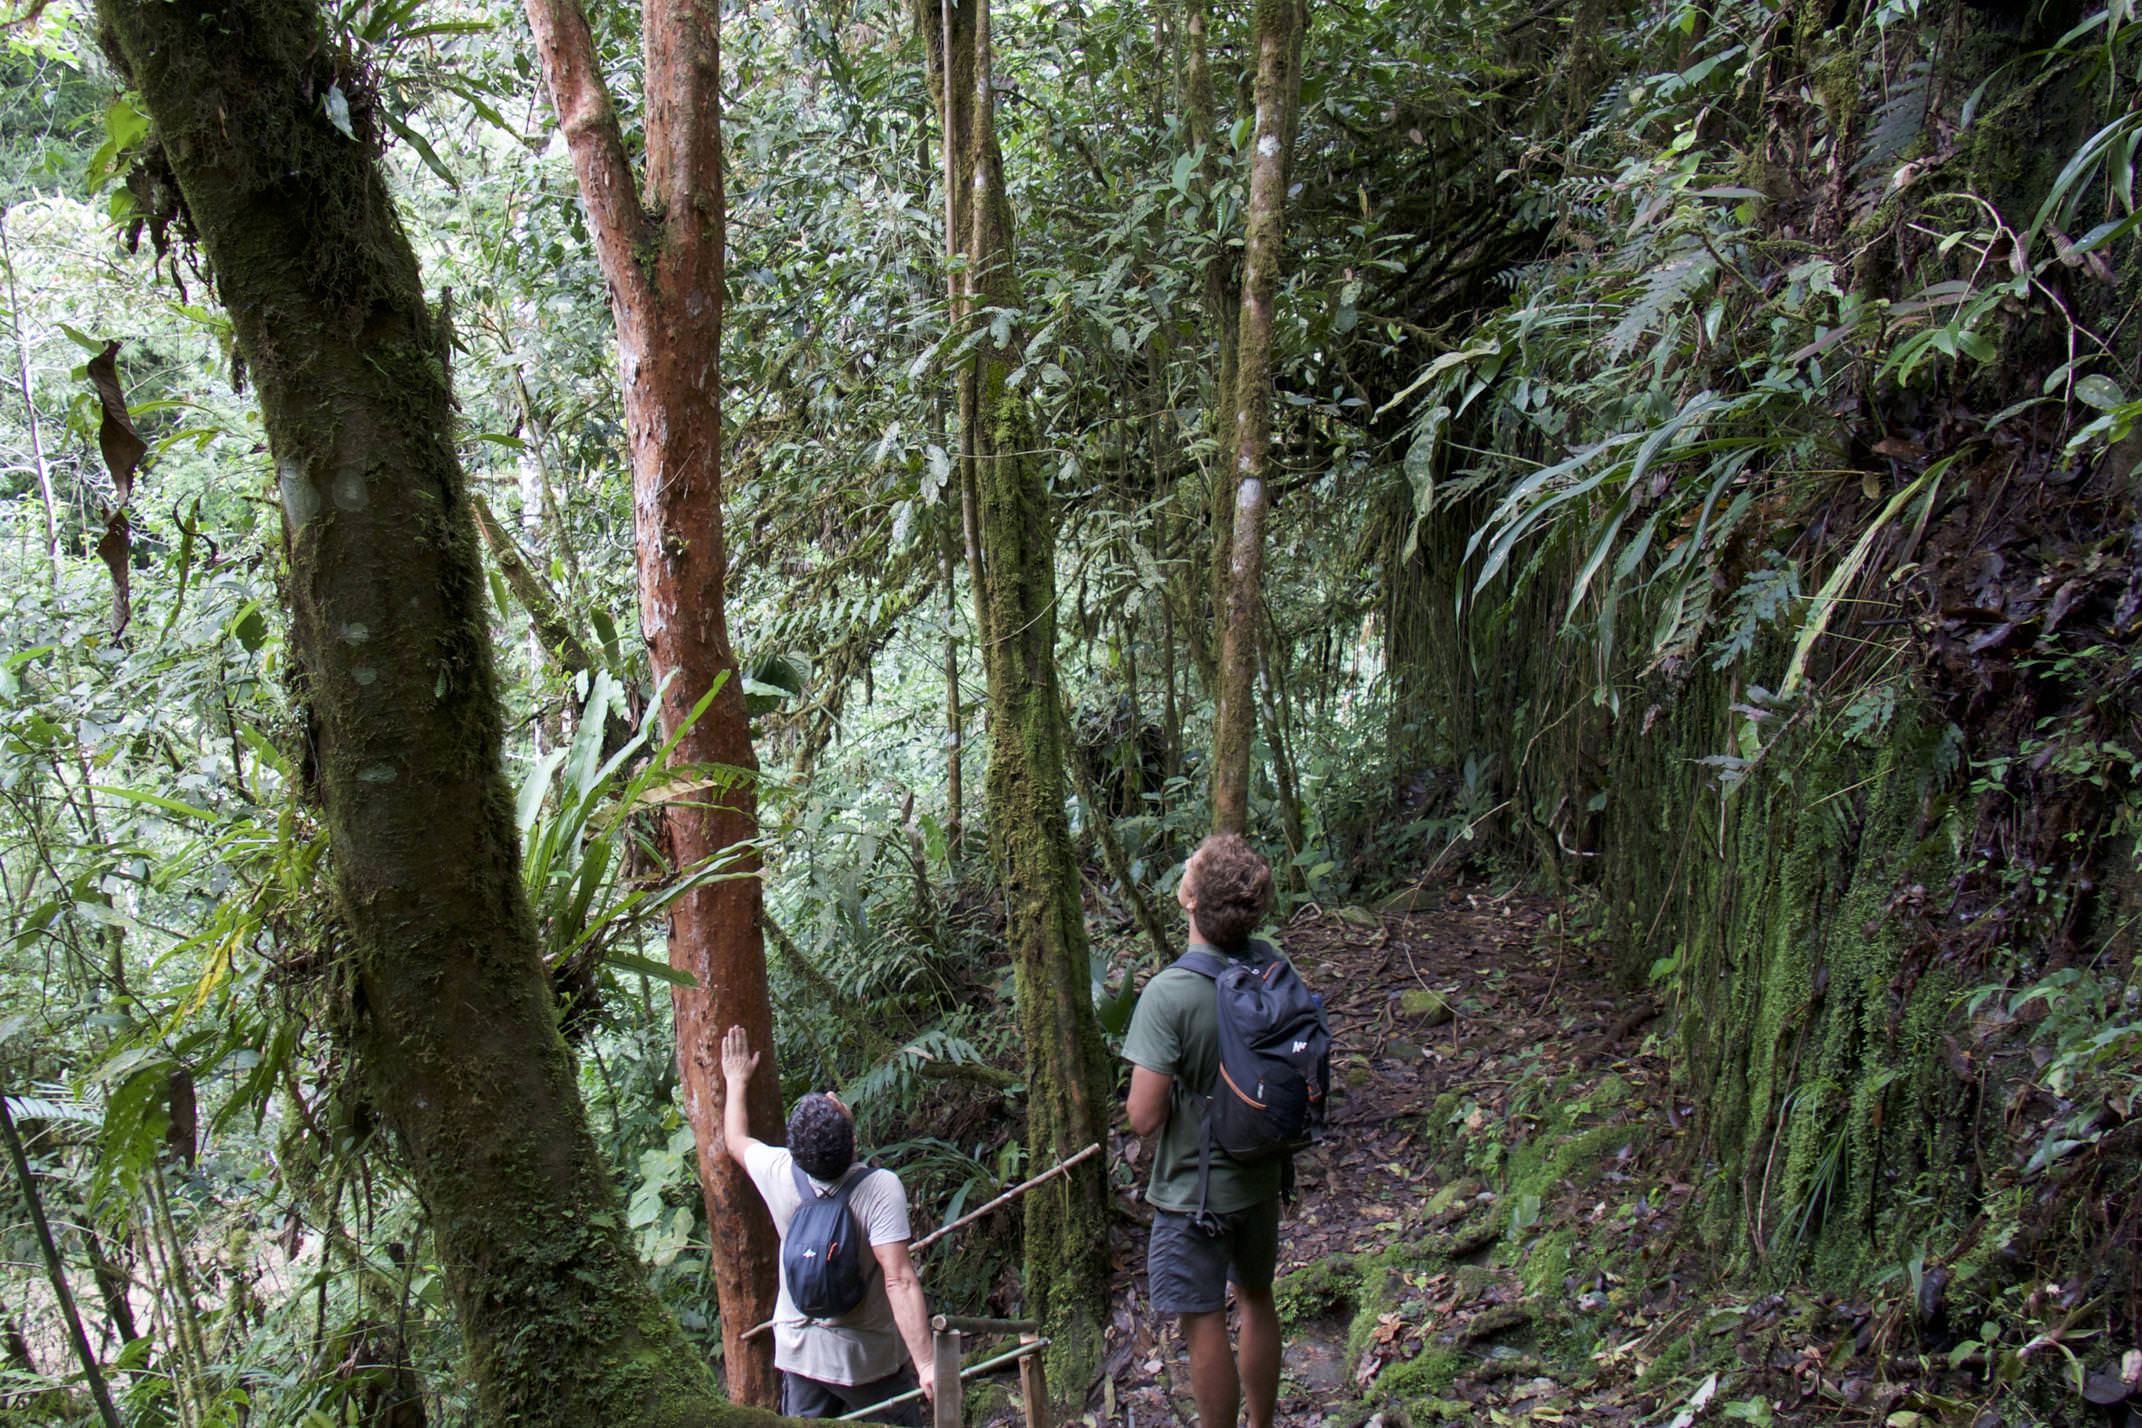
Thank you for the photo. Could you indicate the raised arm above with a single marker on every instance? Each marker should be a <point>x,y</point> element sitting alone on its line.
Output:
<point>738,1061</point>
<point>909,1310</point>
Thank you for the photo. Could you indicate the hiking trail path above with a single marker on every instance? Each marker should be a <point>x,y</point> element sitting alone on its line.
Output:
<point>1496,1121</point>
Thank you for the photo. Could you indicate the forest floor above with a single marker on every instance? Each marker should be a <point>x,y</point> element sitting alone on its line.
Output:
<point>1491,1230</point>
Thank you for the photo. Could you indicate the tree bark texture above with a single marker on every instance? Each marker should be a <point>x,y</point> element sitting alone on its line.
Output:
<point>456,1034</point>
<point>1066,1221</point>
<point>661,250</point>
<point>1278,33</point>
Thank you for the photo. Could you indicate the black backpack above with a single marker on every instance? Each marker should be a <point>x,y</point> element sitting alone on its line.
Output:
<point>1275,1066</point>
<point>822,1253</point>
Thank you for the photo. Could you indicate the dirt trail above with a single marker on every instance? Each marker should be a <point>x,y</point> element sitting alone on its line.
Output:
<point>1498,1226</point>
<point>1455,1025</point>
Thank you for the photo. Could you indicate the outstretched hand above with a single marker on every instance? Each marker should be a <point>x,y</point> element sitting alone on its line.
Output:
<point>738,1060</point>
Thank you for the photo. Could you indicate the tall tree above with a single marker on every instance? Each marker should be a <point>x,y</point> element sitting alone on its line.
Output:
<point>661,250</point>
<point>1029,834</point>
<point>457,1034</point>
<point>1278,30</point>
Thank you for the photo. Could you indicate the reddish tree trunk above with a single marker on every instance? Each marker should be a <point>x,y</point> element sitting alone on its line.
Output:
<point>661,251</point>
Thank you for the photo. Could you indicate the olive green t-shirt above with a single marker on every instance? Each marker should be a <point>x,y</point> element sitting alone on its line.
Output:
<point>1176,1032</point>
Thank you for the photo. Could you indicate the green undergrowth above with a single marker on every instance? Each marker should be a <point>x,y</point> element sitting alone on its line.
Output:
<point>1480,1283</point>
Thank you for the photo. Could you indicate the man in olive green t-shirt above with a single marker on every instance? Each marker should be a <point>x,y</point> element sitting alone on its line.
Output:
<point>1174,1049</point>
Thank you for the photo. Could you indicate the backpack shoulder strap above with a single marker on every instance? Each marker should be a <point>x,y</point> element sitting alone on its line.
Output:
<point>1206,964</point>
<point>844,1194</point>
<point>842,1188</point>
<point>845,1190</point>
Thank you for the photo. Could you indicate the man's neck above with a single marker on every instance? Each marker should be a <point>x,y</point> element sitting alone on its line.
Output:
<point>1199,941</point>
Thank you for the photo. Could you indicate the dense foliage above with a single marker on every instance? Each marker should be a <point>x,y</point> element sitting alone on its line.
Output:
<point>1705,480</point>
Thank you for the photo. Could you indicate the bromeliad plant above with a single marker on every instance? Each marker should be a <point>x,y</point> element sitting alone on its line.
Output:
<point>596,875</point>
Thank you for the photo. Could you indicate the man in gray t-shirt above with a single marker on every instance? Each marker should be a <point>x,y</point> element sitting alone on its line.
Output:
<point>833,1366</point>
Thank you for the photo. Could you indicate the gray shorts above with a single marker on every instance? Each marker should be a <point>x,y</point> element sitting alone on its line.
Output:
<point>1187,1271</point>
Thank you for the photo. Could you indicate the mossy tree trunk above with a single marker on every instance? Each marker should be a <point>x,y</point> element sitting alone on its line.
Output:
<point>457,1033</point>
<point>1029,834</point>
<point>1278,35</point>
<point>661,250</point>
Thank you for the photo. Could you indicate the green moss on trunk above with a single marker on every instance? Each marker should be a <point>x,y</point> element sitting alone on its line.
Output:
<point>1066,1280</point>
<point>455,1029</point>
<point>1066,1221</point>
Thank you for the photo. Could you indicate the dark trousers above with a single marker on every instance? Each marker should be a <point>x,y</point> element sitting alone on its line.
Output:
<point>808,1398</point>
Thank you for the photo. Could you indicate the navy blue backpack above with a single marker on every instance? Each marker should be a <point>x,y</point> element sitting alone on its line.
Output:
<point>1275,1066</point>
<point>822,1253</point>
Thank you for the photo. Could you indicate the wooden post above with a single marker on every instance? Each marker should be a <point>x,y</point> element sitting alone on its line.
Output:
<point>1033,1386</point>
<point>945,1345</point>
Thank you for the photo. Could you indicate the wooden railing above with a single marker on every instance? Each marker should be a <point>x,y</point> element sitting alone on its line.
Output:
<point>948,1333</point>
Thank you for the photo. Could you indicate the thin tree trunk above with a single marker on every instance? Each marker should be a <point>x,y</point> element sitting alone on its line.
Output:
<point>553,631</point>
<point>112,1286</point>
<point>954,112</point>
<point>661,249</point>
<point>457,1035</point>
<point>29,407</point>
<point>539,454</point>
<point>1066,1279</point>
<point>1134,774</point>
<point>1221,302</point>
<point>955,737</point>
<point>56,1270</point>
<point>162,1232</point>
<point>1171,716</point>
<point>1278,31</point>
<point>1279,734</point>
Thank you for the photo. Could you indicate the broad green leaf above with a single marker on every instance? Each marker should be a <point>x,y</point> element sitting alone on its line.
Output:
<point>647,967</point>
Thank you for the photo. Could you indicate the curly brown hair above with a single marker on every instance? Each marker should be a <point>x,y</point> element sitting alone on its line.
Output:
<point>821,1136</point>
<point>1233,887</point>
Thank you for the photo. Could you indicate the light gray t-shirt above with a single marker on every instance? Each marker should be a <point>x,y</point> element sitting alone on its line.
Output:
<point>863,1345</point>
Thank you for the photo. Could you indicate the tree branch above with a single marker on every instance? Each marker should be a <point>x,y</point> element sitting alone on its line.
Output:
<point>589,121</point>
<point>537,598</point>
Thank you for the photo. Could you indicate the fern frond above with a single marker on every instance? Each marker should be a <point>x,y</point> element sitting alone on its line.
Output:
<point>1661,290</point>
<point>1898,123</point>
